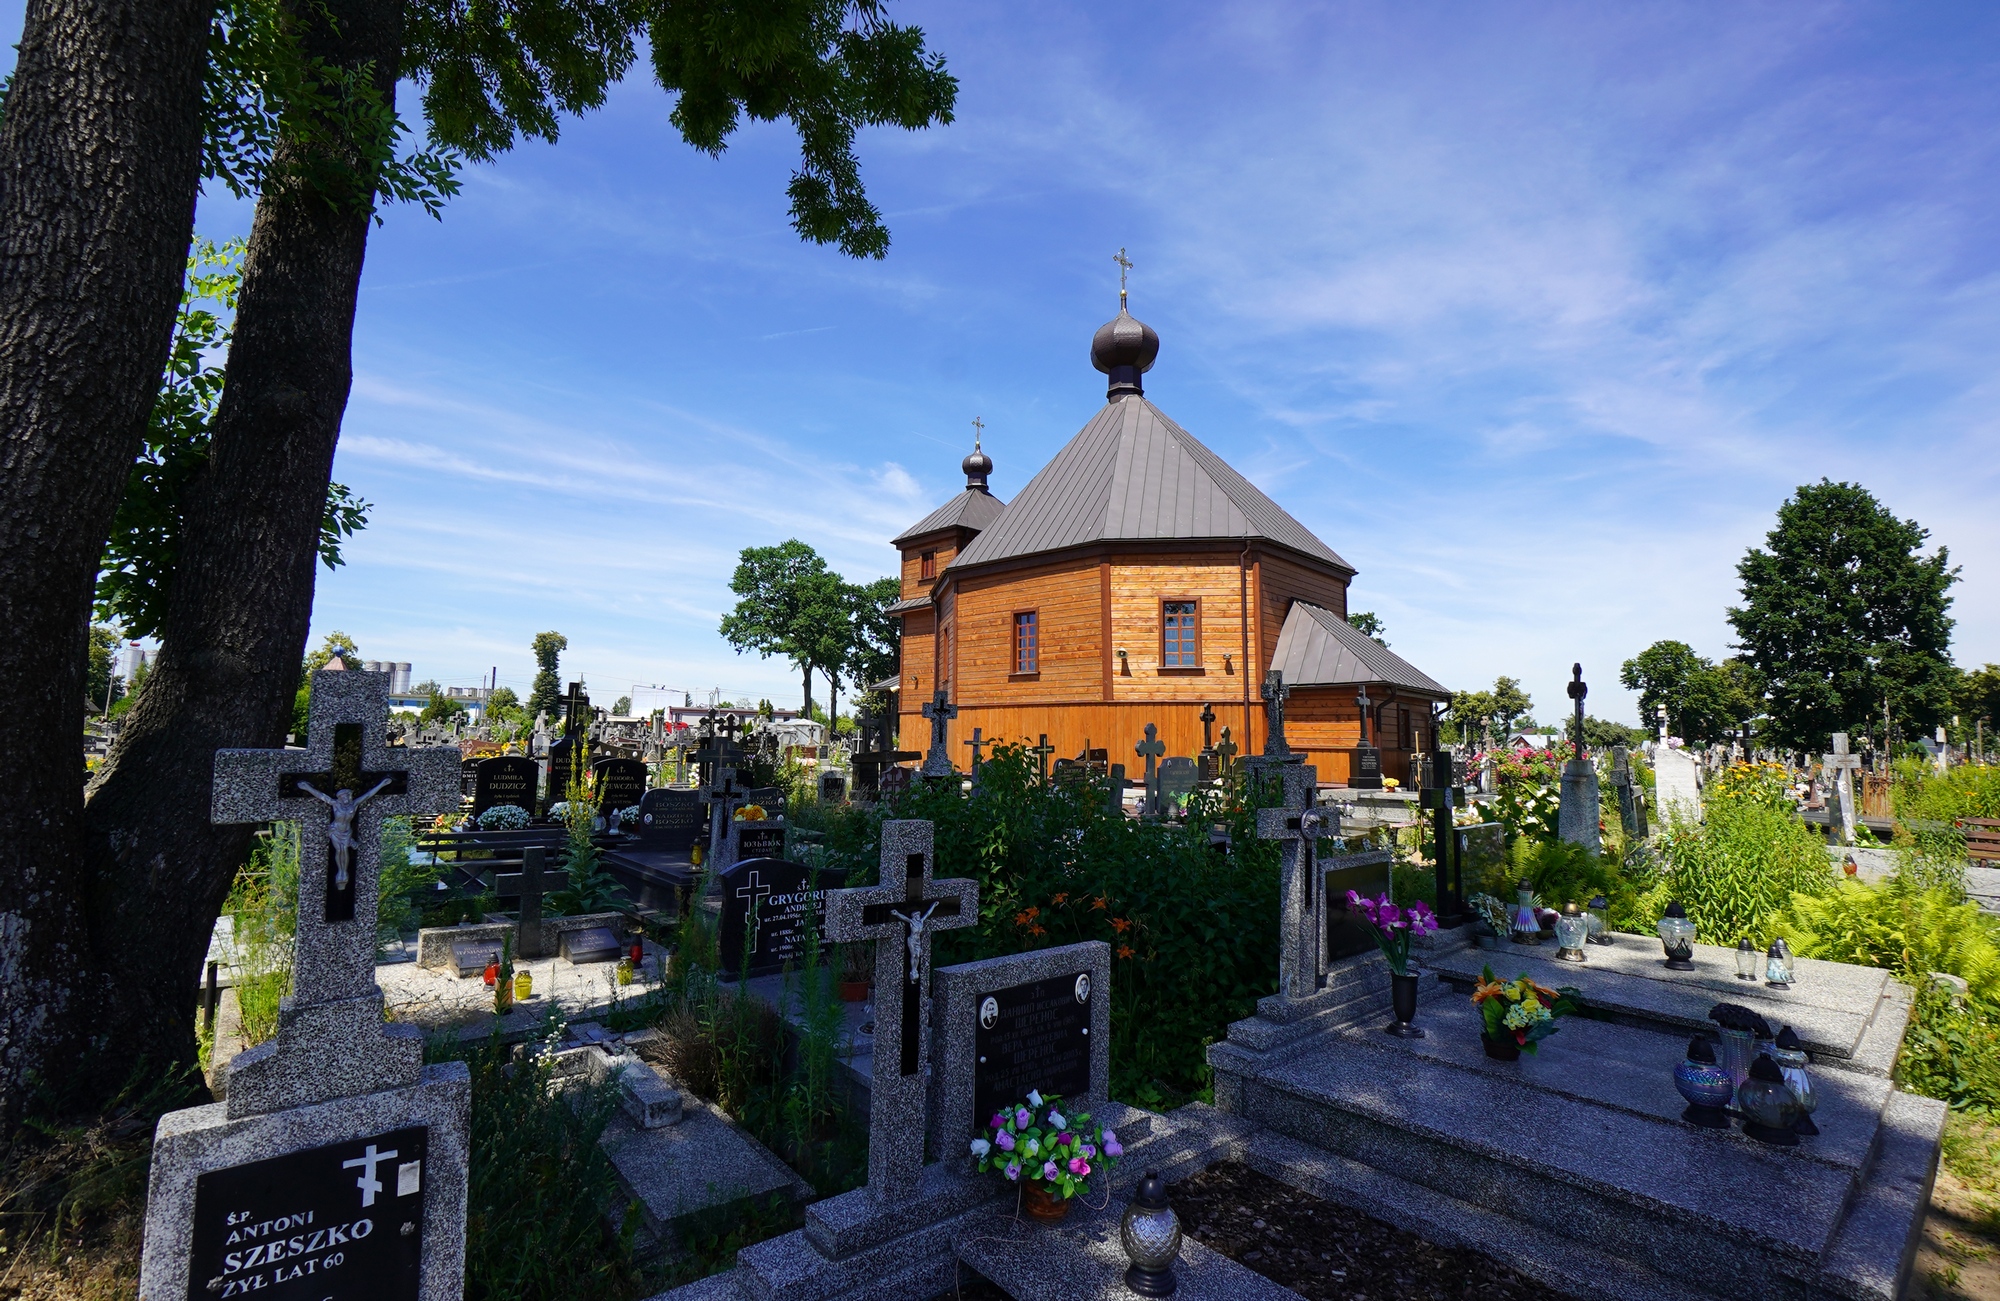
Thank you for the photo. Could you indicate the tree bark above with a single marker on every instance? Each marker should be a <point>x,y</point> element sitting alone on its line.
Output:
<point>241,602</point>
<point>100,158</point>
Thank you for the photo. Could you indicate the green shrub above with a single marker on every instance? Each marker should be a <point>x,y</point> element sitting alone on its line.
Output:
<point>1736,872</point>
<point>1528,791</point>
<point>1903,926</point>
<point>1951,1051</point>
<point>1927,807</point>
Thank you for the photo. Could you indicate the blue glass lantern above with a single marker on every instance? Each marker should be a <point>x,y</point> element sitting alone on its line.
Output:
<point>1705,1084</point>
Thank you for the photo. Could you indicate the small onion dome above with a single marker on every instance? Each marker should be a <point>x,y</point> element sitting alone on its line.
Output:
<point>976,466</point>
<point>1124,348</point>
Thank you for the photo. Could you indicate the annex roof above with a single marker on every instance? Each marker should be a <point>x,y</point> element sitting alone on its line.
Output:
<point>1318,648</point>
<point>1132,474</point>
<point>971,509</point>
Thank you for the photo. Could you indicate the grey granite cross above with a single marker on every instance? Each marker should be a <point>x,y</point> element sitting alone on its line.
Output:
<point>939,709</point>
<point>723,796</point>
<point>1115,782</point>
<point>1225,750</point>
<point>1042,750</point>
<point>1301,893</point>
<point>978,759</point>
<point>900,915</point>
<point>1150,750</point>
<point>331,1040</point>
<point>1274,692</point>
<point>1841,767</point>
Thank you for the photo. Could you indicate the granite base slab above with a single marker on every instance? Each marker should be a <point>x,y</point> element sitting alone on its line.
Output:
<point>193,1142</point>
<point>702,1162</point>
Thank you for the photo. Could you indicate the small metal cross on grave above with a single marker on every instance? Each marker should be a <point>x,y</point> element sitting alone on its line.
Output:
<point>753,895</point>
<point>1301,888</point>
<point>1207,728</point>
<point>1361,702</point>
<point>338,791</point>
<point>900,915</point>
<point>940,710</point>
<point>1150,750</point>
<point>1042,750</point>
<point>1840,769</point>
<point>1274,692</point>
<point>977,758</point>
<point>1578,689</point>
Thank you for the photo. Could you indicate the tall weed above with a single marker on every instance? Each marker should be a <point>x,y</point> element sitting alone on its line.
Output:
<point>1736,872</point>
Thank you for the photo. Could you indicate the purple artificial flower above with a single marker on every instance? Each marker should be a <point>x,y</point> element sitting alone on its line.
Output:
<point>1067,1139</point>
<point>1391,917</point>
<point>1361,904</point>
<point>1022,1116</point>
<point>1013,1169</point>
<point>1078,1166</point>
<point>999,1119</point>
<point>1004,1141</point>
<point>1049,1170</point>
<point>1112,1148</point>
<point>1089,1150</point>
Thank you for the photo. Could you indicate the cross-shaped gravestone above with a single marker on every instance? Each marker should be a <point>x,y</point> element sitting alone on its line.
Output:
<point>753,893</point>
<point>1225,750</point>
<point>1042,750</point>
<point>1150,750</point>
<point>1578,689</point>
<point>1301,903</point>
<point>526,886</point>
<point>1621,777</point>
<point>338,792</point>
<point>977,758</point>
<point>940,710</point>
<point>723,796</point>
<point>1274,692</point>
<point>1115,782</point>
<point>1840,769</point>
<point>1207,727</point>
<point>900,915</point>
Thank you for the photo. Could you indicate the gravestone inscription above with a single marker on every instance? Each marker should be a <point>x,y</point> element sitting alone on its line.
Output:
<point>505,779</point>
<point>780,895</point>
<point>621,783</point>
<point>669,819</point>
<point>1032,1036</point>
<point>468,775</point>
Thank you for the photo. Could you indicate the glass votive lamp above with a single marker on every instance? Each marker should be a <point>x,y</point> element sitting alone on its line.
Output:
<point>1151,1236</point>
<point>1769,1109</point>
<point>1705,1084</point>
<point>1746,959</point>
<point>1677,938</point>
<point>1572,928</point>
<point>1778,969</point>
<point>1526,927</point>
<point>1790,1054</point>
<point>1599,909</point>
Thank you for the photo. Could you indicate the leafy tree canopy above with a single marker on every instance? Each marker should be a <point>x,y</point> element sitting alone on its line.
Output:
<point>1976,697</point>
<point>877,652</point>
<point>1368,624</point>
<point>1704,700</point>
<point>103,685</point>
<point>334,643</point>
<point>791,605</point>
<point>622,706</point>
<point>545,697</point>
<point>1843,615</point>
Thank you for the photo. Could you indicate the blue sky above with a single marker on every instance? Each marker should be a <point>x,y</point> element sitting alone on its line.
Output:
<point>1535,313</point>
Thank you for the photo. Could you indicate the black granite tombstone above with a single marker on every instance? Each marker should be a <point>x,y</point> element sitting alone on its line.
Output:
<point>1367,772</point>
<point>759,840</point>
<point>669,819</point>
<point>832,788</point>
<point>780,894</point>
<point>343,1222</point>
<point>468,775</point>
<point>591,944</point>
<point>1032,1036</point>
<point>505,779</point>
<point>621,783</point>
<point>1349,933</point>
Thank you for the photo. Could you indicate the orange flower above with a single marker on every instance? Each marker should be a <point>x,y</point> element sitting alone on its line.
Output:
<point>1036,930</point>
<point>1486,989</point>
<point>1124,950</point>
<point>1034,912</point>
<point>1120,924</point>
<point>1063,897</point>
<point>1099,904</point>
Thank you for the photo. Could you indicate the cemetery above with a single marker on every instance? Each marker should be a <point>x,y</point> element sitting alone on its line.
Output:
<point>1138,923</point>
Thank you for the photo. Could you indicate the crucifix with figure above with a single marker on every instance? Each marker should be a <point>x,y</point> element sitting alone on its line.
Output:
<point>1150,750</point>
<point>1298,826</point>
<point>338,791</point>
<point>1578,689</point>
<point>940,710</point>
<point>1274,692</point>
<point>900,915</point>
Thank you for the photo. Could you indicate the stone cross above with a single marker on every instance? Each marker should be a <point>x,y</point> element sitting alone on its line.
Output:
<point>1301,892</point>
<point>1042,750</point>
<point>1207,728</point>
<point>977,758</point>
<point>1116,784</point>
<point>723,797</point>
<point>900,915</point>
<point>939,709</point>
<point>1274,692</point>
<point>1225,750</point>
<point>1578,689</point>
<point>574,705</point>
<point>1361,702</point>
<point>1150,750</point>
<point>526,885</point>
<point>1840,767</point>
<point>338,792</point>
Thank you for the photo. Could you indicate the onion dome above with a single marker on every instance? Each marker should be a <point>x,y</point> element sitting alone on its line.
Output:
<point>976,466</point>
<point>1124,349</point>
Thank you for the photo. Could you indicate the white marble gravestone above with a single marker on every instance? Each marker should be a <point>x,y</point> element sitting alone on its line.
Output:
<point>1677,784</point>
<point>336,1169</point>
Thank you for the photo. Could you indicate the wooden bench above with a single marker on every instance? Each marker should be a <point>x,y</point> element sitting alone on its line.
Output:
<point>1982,839</point>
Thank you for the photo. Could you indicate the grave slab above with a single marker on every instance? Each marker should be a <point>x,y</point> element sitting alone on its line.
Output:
<point>703,1162</point>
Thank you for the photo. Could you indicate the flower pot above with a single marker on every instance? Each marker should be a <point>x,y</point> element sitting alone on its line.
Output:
<point>1403,998</point>
<point>1486,938</point>
<point>1043,1204</point>
<point>1503,1049</point>
<point>853,991</point>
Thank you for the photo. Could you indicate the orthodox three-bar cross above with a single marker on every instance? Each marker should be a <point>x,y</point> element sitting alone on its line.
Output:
<point>1150,750</point>
<point>338,790</point>
<point>940,710</point>
<point>900,915</point>
<point>1298,826</point>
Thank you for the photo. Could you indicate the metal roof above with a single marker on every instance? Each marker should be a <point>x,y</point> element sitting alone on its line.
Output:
<point>971,509</point>
<point>1318,648</point>
<point>1132,474</point>
<point>907,604</point>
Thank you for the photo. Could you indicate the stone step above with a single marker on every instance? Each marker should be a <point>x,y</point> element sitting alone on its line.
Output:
<point>1589,1134</point>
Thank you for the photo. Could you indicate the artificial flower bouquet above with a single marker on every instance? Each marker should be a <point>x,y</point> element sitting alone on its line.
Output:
<point>1519,1009</point>
<point>1034,1141</point>
<point>1394,926</point>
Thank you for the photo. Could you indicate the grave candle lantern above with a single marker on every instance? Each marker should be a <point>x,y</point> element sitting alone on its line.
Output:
<point>1571,928</point>
<point>1526,927</point>
<point>1790,1054</point>
<point>1769,1109</point>
<point>1599,909</point>
<point>1778,965</point>
<point>1705,1084</point>
<point>1746,959</point>
<point>1151,1235</point>
<point>1677,938</point>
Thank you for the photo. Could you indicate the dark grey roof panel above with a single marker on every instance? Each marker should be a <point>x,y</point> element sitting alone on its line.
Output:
<point>1318,648</point>
<point>907,604</point>
<point>971,509</point>
<point>1131,474</point>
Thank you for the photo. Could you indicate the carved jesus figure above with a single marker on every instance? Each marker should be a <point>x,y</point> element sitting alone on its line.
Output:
<point>340,827</point>
<point>915,921</point>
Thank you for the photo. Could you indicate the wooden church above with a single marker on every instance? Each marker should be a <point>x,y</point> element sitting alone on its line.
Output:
<point>1140,579</point>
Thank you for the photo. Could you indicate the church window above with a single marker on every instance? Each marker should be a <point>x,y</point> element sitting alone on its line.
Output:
<point>1027,642</point>
<point>1180,635</point>
<point>927,566</point>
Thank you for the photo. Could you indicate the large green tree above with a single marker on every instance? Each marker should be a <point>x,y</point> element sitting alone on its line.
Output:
<point>241,599</point>
<point>546,695</point>
<point>791,605</point>
<point>1844,615</point>
<point>1704,700</point>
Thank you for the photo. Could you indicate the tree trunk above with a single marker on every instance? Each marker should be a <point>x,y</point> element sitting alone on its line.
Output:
<point>809,693</point>
<point>100,157</point>
<point>238,613</point>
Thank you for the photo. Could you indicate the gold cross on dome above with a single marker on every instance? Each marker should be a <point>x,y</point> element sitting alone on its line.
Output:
<point>1124,265</point>
<point>978,428</point>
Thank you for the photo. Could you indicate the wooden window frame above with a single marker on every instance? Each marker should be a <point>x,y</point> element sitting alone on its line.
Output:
<point>1014,628</point>
<point>1195,667</point>
<point>926,566</point>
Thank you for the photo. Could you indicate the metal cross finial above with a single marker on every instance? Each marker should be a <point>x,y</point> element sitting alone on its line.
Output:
<point>1124,265</point>
<point>978,428</point>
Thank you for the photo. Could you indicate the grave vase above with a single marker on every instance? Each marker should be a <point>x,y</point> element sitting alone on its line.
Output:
<point>1503,1049</point>
<point>1043,1204</point>
<point>1403,999</point>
